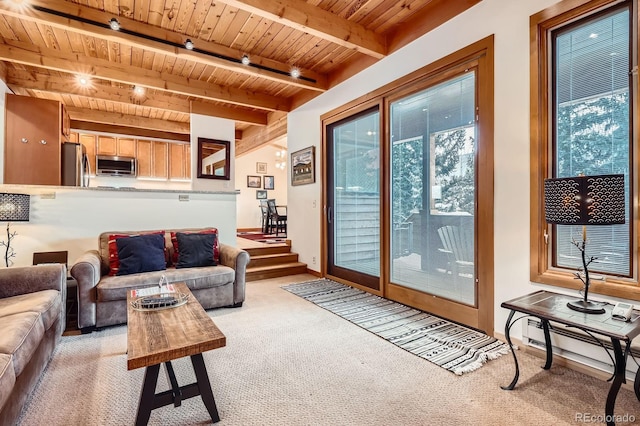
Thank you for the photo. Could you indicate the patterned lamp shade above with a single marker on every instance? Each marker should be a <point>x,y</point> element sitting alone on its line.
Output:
<point>585,200</point>
<point>14,207</point>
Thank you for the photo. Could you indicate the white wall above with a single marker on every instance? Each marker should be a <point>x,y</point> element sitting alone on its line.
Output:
<point>509,21</point>
<point>73,219</point>
<point>248,205</point>
<point>204,126</point>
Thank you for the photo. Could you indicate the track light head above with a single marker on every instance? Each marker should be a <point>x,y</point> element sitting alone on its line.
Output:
<point>188,44</point>
<point>114,24</point>
<point>295,73</point>
<point>245,60</point>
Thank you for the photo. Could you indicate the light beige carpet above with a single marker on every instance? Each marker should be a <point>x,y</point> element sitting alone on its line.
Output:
<point>289,362</point>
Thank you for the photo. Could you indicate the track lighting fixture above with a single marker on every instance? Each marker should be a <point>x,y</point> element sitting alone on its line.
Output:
<point>114,24</point>
<point>138,90</point>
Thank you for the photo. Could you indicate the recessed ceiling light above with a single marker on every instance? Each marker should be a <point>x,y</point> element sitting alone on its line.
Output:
<point>114,24</point>
<point>19,5</point>
<point>245,60</point>
<point>295,73</point>
<point>138,90</point>
<point>188,44</point>
<point>83,80</point>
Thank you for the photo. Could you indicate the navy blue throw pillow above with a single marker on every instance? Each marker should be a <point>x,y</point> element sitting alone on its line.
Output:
<point>141,253</point>
<point>195,250</point>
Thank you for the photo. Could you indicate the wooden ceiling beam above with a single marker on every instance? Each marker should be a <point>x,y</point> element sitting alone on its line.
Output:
<point>116,119</point>
<point>159,40</point>
<point>63,85</point>
<point>248,117</point>
<point>305,17</point>
<point>434,14</point>
<point>67,85</point>
<point>132,131</point>
<point>256,137</point>
<point>53,59</point>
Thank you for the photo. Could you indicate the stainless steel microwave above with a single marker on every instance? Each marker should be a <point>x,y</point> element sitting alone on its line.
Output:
<point>111,165</point>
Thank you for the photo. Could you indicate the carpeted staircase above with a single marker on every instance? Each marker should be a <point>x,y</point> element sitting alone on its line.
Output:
<point>274,260</point>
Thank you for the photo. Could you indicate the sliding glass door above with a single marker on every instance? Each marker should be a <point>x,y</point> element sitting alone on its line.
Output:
<point>433,190</point>
<point>408,189</point>
<point>353,199</point>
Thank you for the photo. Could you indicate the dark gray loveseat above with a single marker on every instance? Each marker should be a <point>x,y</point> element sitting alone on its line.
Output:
<point>102,299</point>
<point>32,319</point>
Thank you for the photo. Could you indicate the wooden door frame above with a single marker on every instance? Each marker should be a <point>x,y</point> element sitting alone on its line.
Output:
<point>481,55</point>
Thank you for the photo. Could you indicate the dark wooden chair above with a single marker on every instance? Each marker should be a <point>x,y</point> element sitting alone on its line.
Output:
<point>277,220</point>
<point>266,222</point>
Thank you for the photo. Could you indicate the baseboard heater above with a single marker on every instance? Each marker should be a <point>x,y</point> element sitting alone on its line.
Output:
<point>578,346</point>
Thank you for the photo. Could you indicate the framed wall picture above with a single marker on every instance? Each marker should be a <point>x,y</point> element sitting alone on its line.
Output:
<point>261,167</point>
<point>261,195</point>
<point>303,164</point>
<point>254,181</point>
<point>268,182</point>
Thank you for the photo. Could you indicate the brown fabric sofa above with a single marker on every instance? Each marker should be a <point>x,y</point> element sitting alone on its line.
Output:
<point>32,319</point>
<point>102,299</point>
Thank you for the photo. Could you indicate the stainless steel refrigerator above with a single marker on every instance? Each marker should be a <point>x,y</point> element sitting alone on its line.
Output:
<point>75,165</point>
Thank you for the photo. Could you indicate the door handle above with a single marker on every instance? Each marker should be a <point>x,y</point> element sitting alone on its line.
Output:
<point>329,219</point>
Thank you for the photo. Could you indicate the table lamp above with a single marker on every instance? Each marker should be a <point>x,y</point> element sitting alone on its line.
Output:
<point>585,200</point>
<point>13,208</point>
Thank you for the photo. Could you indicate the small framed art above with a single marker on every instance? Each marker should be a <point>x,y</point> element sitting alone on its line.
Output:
<point>261,195</point>
<point>254,181</point>
<point>261,167</point>
<point>303,163</point>
<point>268,182</point>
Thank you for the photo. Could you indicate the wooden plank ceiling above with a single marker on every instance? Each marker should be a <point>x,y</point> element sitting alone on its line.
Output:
<point>47,45</point>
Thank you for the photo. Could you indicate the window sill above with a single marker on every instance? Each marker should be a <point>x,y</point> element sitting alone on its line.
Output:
<point>612,287</point>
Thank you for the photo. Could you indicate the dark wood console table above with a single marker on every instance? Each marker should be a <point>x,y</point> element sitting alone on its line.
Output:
<point>548,306</point>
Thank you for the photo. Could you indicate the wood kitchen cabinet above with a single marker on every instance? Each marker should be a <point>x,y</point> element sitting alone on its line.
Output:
<point>179,161</point>
<point>108,145</point>
<point>152,159</point>
<point>89,143</point>
<point>33,134</point>
<point>66,122</point>
<point>160,159</point>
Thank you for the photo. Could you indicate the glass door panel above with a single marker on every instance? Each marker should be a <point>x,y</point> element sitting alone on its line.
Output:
<point>433,190</point>
<point>353,201</point>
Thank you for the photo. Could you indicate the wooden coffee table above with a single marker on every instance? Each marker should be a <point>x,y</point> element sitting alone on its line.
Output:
<point>156,337</point>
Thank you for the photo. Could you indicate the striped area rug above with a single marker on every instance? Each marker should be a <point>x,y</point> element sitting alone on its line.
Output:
<point>451,346</point>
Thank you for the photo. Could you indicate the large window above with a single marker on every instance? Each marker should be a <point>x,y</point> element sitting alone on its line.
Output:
<point>584,85</point>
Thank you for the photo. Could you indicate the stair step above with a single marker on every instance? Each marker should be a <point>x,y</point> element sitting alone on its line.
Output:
<point>275,249</point>
<point>272,259</point>
<point>273,271</point>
